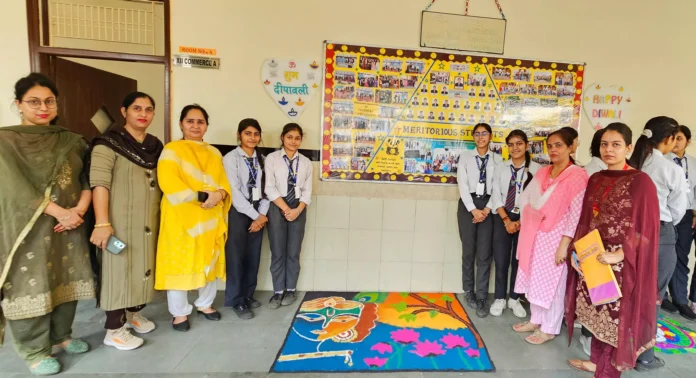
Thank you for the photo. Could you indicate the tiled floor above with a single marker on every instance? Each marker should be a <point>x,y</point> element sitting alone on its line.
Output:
<point>235,348</point>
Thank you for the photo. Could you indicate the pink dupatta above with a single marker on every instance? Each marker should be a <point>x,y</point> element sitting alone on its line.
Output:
<point>568,184</point>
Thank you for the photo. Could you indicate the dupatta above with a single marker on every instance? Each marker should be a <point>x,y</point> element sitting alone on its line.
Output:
<point>544,203</point>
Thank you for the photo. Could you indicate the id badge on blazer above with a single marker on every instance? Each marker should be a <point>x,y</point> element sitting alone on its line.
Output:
<point>480,188</point>
<point>255,194</point>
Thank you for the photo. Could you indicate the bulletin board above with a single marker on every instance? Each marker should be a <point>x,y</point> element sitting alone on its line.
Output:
<point>398,115</point>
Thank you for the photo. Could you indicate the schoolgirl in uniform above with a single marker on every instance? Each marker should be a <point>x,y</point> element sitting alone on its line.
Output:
<point>658,139</point>
<point>510,180</point>
<point>289,188</point>
<point>685,233</point>
<point>475,179</point>
<point>244,168</point>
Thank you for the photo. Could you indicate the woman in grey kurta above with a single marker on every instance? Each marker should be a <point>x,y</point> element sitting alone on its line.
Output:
<point>126,201</point>
<point>44,255</point>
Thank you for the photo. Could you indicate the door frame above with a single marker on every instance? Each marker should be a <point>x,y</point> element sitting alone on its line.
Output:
<point>40,52</point>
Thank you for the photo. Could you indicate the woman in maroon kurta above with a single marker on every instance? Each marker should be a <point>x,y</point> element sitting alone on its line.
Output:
<point>621,203</point>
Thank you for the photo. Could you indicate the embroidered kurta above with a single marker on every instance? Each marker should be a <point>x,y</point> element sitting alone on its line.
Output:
<point>190,251</point>
<point>627,217</point>
<point>47,268</point>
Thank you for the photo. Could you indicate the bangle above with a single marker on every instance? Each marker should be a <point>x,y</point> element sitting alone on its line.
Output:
<point>102,225</point>
<point>506,218</point>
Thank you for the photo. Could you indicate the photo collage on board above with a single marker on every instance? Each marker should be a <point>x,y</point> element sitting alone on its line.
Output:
<point>372,94</point>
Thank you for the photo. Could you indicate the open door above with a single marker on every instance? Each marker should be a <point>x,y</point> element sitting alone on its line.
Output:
<point>90,99</point>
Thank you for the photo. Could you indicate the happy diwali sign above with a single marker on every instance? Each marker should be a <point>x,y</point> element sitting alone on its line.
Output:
<point>606,104</point>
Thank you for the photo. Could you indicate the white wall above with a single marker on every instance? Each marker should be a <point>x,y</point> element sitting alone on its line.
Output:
<point>15,51</point>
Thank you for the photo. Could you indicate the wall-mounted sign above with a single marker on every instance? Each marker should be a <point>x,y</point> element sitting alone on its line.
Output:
<point>461,32</point>
<point>291,83</point>
<point>606,104</point>
<point>197,50</point>
<point>191,61</point>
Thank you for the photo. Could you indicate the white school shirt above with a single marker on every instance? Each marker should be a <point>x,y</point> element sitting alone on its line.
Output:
<point>468,176</point>
<point>690,162</point>
<point>671,186</point>
<point>501,183</point>
<point>277,176</point>
<point>238,175</point>
<point>595,165</point>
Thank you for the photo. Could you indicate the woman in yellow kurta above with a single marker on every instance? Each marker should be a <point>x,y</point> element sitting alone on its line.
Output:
<point>193,230</point>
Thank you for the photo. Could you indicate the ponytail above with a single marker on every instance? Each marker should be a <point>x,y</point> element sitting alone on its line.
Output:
<point>527,161</point>
<point>656,131</point>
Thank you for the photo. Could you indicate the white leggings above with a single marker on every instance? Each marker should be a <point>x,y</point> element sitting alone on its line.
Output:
<point>178,299</point>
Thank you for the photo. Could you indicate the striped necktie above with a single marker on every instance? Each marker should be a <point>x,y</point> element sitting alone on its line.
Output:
<point>512,191</point>
<point>290,197</point>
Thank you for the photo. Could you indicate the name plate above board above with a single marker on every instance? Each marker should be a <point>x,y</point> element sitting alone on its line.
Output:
<point>190,61</point>
<point>460,32</point>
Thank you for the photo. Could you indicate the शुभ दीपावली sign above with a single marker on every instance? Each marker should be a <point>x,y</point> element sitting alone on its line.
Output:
<point>190,61</point>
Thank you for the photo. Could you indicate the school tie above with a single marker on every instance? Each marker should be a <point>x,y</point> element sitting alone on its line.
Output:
<point>678,161</point>
<point>291,184</point>
<point>252,178</point>
<point>512,191</point>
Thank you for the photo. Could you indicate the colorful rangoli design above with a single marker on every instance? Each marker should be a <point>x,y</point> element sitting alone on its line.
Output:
<point>382,332</point>
<point>679,339</point>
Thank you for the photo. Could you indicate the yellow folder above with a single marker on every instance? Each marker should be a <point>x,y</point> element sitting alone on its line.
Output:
<point>599,277</point>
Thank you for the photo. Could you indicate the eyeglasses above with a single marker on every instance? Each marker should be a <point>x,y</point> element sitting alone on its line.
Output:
<point>481,134</point>
<point>35,103</point>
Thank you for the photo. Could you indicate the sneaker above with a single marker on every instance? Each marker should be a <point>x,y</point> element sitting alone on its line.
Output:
<point>482,308</point>
<point>517,308</point>
<point>274,303</point>
<point>470,298</point>
<point>655,364</point>
<point>139,323</point>
<point>586,343</point>
<point>686,312</point>
<point>668,306</point>
<point>252,303</point>
<point>289,298</point>
<point>122,339</point>
<point>498,307</point>
<point>693,307</point>
<point>243,312</point>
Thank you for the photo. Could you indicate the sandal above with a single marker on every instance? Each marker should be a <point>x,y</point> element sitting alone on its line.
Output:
<point>538,337</point>
<point>581,365</point>
<point>525,327</point>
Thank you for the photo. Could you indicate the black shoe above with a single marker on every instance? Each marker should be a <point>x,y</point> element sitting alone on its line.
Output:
<point>668,306</point>
<point>252,303</point>
<point>289,298</point>
<point>181,327</point>
<point>470,299</point>
<point>655,364</point>
<point>214,316</point>
<point>686,312</point>
<point>274,303</point>
<point>243,312</point>
<point>482,308</point>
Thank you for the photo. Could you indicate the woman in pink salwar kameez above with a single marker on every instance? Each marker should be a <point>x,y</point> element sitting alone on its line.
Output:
<point>551,207</point>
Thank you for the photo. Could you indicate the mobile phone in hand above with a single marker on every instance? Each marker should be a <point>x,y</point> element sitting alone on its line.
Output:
<point>202,197</point>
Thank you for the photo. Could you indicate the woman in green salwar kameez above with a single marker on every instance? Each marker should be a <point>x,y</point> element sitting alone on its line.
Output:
<point>44,257</point>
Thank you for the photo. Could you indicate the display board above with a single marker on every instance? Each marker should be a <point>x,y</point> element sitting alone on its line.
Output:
<point>398,115</point>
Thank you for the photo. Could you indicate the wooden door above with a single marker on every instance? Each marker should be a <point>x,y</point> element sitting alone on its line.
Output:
<point>87,93</point>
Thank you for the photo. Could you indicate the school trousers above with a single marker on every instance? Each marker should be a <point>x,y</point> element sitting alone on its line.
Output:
<point>680,278</point>
<point>505,257</point>
<point>286,244</point>
<point>242,256</point>
<point>476,246</point>
<point>666,261</point>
